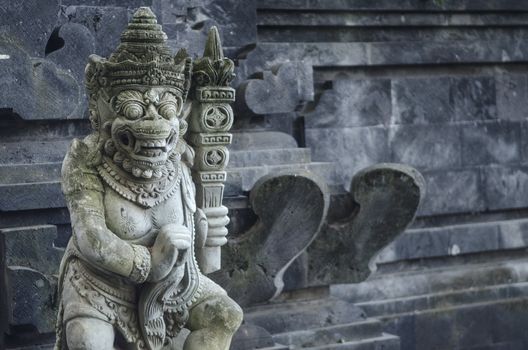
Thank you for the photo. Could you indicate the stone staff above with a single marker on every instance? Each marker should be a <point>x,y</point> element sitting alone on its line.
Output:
<point>211,119</point>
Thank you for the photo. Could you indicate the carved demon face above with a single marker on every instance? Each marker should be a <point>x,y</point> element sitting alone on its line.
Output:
<point>145,129</point>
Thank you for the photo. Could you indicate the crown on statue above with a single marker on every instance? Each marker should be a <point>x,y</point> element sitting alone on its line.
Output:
<point>142,58</point>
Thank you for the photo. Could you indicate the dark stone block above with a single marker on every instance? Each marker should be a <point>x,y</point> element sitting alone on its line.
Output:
<point>44,195</point>
<point>281,317</point>
<point>274,92</point>
<point>191,21</point>
<point>444,242</point>
<point>267,157</point>
<point>506,187</point>
<point>350,103</point>
<point>36,88</point>
<point>26,173</point>
<point>474,98</point>
<point>245,141</point>
<point>104,3</point>
<point>31,300</point>
<point>512,94</point>
<point>31,262</point>
<point>351,148</point>
<point>31,152</point>
<point>426,147</point>
<point>105,24</point>
<point>513,234</point>
<point>491,143</point>
<point>388,5</point>
<point>421,101</point>
<point>79,43</point>
<point>452,191</point>
<point>29,23</point>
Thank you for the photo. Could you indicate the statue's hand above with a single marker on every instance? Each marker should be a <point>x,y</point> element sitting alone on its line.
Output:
<point>169,249</point>
<point>217,220</point>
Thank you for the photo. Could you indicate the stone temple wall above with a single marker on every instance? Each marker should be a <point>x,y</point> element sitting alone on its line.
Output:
<point>329,86</point>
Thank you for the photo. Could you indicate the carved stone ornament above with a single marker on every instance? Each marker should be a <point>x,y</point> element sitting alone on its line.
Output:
<point>130,278</point>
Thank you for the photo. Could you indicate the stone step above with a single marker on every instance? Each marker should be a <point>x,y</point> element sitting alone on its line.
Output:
<point>389,5</point>
<point>403,52</point>
<point>371,34</point>
<point>30,173</point>
<point>243,179</point>
<point>456,240</point>
<point>475,326</point>
<point>330,335</point>
<point>30,152</point>
<point>258,140</point>
<point>239,159</point>
<point>515,345</point>
<point>383,342</point>
<point>352,19</point>
<point>382,286</point>
<point>301,315</point>
<point>398,306</point>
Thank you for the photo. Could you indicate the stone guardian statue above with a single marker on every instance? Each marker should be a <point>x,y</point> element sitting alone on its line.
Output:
<point>130,278</point>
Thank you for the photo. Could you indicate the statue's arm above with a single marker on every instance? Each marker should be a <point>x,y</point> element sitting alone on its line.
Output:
<point>95,242</point>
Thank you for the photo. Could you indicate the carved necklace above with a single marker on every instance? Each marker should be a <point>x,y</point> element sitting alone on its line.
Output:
<point>146,193</point>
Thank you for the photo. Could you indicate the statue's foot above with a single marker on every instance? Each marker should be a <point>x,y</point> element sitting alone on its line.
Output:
<point>84,333</point>
<point>212,323</point>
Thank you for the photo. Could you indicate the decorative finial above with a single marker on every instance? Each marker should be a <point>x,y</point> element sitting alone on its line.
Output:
<point>213,46</point>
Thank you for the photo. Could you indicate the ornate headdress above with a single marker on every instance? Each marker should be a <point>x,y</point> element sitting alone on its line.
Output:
<point>142,58</point>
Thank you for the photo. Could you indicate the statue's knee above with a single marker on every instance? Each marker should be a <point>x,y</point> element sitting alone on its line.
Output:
<point>234,314</point>
<point>218,312</point>
<point>88,334</point>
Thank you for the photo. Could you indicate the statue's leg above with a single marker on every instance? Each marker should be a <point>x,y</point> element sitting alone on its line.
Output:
<point>84,333</point>
<point>213,320</point>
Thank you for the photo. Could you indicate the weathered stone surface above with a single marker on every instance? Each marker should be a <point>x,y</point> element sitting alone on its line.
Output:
<point>456,240</point>
<point>262,140</point>
<point>421,101</point>
<point>243,179</point>
<point>36,88</point>
<point>269,157</point>
<point>381,20</point>
<point>350,103</point>
<point>30,264</point>
<point>104,3</point>
<point>453,191</point>
<point>388,196</point>
<point>491,143</point>
<point>388,5</point>
<point>103,23</point>
<point>351,148</point>
<point>505,187</point>
<point>425,147</point>
<point>254,263</point>
<point>29,23</point>
<point>250,336</point>
<point>31,196</point>
<point>31,152</point>
<point>295,315</point>
<point>79,43</point>
<point>512,93</point>
<point>474,98</point>
<point>273,92</point>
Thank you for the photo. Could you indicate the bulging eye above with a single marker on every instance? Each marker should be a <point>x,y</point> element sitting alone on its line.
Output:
<point>133,110</point>
<point>168,110</point>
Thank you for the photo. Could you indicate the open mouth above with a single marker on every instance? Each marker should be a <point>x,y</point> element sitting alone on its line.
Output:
<point>151,147</point>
